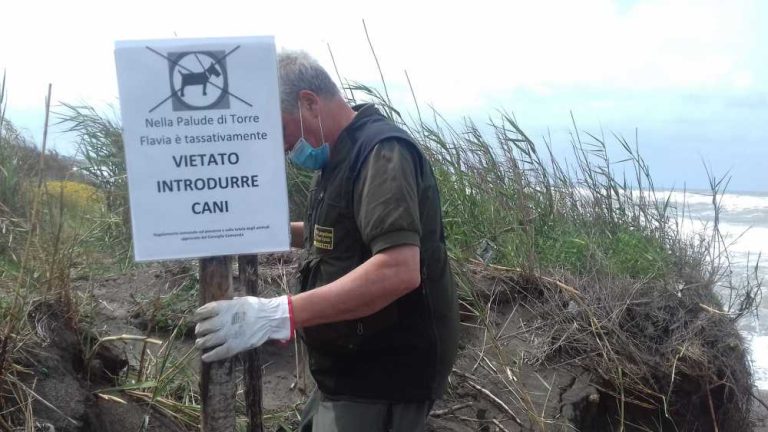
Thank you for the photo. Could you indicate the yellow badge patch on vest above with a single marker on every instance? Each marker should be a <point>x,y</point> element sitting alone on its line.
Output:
<point>323,237</point>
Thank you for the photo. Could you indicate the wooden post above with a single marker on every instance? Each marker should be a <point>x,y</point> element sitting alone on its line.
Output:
<point>248,267</point>
<point>217,386</point>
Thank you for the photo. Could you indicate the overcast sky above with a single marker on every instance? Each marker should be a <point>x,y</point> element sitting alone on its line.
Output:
<point>691,76</point>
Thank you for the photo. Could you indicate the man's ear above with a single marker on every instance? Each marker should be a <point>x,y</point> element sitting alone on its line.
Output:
<point>309,103</point>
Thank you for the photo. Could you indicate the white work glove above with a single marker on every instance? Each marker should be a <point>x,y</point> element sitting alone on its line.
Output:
<point>240,324</point>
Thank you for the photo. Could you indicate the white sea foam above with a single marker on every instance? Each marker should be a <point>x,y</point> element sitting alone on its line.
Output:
<point>743,220</point>
<point>759,348</point>
<point>729,202</point>
<point>744,238</point>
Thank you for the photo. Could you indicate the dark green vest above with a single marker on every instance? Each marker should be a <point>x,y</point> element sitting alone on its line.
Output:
<point>405,351</point>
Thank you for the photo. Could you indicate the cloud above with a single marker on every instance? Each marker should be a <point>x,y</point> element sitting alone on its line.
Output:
<point>621,62</point>
<point>455,53</point>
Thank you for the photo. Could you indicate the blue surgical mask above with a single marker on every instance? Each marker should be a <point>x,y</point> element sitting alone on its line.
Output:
<point>306,156</point>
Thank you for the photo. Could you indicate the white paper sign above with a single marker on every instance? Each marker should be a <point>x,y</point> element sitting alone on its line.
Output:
<point>203,145</point>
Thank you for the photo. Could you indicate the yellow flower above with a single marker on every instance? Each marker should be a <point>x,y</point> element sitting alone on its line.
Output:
<point>75,195</point>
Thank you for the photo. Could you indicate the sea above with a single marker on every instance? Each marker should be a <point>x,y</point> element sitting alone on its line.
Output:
<point>743,223</point>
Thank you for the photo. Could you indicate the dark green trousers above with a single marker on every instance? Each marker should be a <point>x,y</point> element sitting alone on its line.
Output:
<point>323,415</point>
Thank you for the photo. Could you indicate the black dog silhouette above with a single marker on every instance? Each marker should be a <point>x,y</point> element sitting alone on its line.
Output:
<point>199,78</point>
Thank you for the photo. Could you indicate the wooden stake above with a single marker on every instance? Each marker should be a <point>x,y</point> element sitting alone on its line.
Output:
<point>248,267</point>
<point>217,386</point>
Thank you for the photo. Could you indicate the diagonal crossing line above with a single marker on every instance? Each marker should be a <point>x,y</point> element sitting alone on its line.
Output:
<point>191,71</point>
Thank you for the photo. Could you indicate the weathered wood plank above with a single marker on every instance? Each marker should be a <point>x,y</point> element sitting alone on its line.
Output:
<point>248,267</point>
<point>217,384</point>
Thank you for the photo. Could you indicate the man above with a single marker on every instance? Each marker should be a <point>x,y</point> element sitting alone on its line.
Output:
<point>376,304</point>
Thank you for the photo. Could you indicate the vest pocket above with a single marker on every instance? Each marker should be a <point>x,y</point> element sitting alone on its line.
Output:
<point>347,337</point>
<point>334,338</point>
<point>343,337</point>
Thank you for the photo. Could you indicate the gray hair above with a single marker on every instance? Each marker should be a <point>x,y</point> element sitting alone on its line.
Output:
<point>299,71</point>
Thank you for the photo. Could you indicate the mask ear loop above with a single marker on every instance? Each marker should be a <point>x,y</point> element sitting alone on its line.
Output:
<point>301,120</point>
<point>322,135</point>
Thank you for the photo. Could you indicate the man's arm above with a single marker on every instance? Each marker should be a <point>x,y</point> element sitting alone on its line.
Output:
<point>297,234</point>
<point>228,327</point>
<point>382,279</point>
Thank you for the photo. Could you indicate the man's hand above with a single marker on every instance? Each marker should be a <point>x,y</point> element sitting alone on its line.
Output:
<point>240,324</point>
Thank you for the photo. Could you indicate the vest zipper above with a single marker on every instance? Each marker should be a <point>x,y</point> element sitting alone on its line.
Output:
<point>315,211</point>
